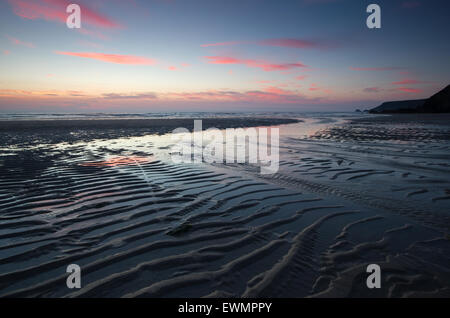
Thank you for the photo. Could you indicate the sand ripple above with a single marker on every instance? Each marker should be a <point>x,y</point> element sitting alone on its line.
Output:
<point>141,226</point>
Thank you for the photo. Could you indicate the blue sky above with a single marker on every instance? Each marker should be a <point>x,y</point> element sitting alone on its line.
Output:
<point>191,55</point>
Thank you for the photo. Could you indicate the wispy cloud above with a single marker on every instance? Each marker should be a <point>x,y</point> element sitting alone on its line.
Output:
<point>269,95</point>
<point>55,10</point>
<point>57,99</point>
<point>147,95</point>
<point>409,90</point>
<point>316,88</point>
<point>264,65</point>
<point>407,82</point>
<point>277,90</point>
<point>179,67</point>
<point>32,94</point>
<point>112,58</point>
<point>76,93</point>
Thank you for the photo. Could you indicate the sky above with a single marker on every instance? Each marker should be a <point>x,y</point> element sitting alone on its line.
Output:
<point>219,55</point>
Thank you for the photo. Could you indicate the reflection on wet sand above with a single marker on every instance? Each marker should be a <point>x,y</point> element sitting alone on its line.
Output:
<point>115,161</point>
<point>139,225</point>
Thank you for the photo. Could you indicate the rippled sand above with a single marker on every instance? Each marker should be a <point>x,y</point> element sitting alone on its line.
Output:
<point>374,190</point>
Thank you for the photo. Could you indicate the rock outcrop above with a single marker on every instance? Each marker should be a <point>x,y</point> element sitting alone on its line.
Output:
<point>438,103</point>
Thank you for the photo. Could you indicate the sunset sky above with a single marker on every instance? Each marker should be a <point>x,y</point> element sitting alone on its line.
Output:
<point>227,55</point>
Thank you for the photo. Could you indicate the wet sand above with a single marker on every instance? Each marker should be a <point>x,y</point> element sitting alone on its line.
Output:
<point>372,190</point>
<point>30,132</point>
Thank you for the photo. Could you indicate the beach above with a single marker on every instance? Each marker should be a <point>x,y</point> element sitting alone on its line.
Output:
<point>350,191</point>
<point>51,131</point>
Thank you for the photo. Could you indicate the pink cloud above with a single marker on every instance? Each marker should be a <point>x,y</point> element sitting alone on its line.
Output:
<point>301,77</point>
<point>271,94</point>
<point>58,99</point>
<point>276,95</point>
<point>276,90</point>
<point>406,82</point>
<point>19,42</point>
<point>178,68</point>
<point>409,90</point>
<point>314,87</point>
<point>146,95</point>
<point>55,10</point>
<point>6,52</point>
<point>112,58</point>
<point>266,66</point>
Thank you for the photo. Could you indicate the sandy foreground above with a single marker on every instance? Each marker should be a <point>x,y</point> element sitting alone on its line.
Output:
<point>372,190</point>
